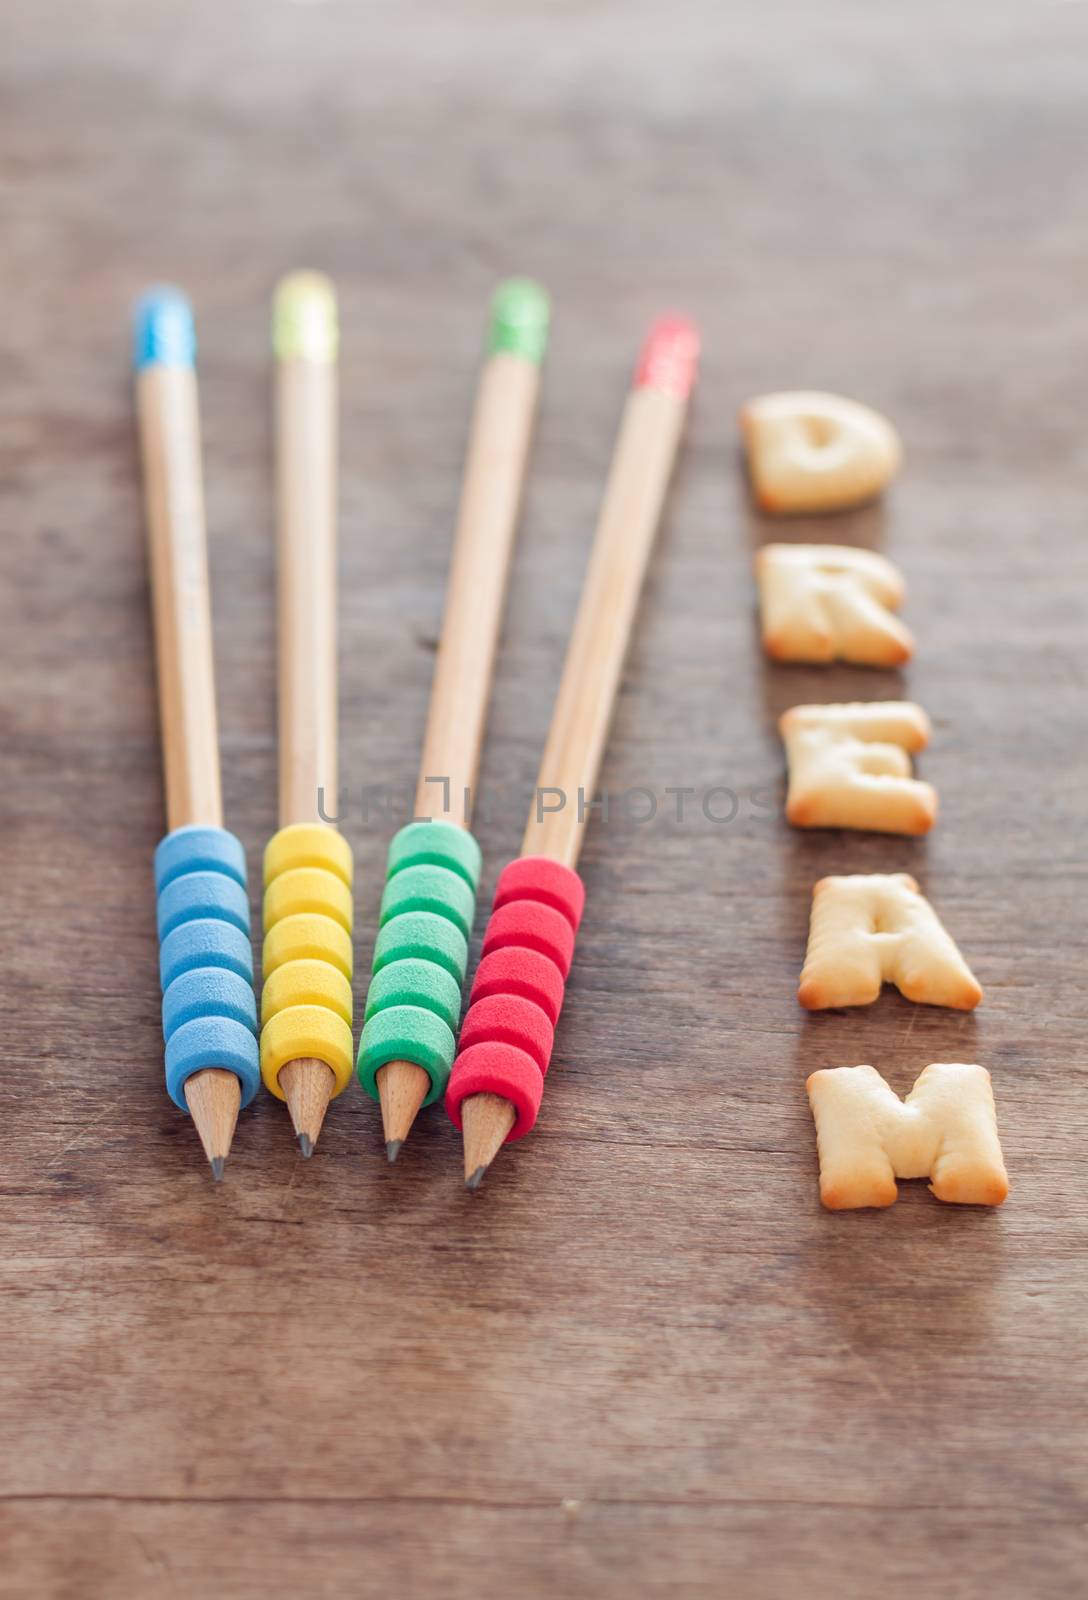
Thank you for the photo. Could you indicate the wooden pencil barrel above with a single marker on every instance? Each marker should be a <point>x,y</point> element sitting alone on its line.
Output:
<point>636,488</point>
<point>501,428</point>
<point>306,544</point>
<point>170,441</point>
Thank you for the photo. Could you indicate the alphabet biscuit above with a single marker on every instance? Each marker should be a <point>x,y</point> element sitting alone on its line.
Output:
<point>849,767</point>
<point>811,451</point>
<point>945,1130</point>
<point>871,929</point>
<point>830,602</point>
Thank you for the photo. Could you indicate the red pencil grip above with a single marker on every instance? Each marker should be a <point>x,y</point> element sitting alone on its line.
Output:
<point>539,878</point>
<point>525,972</point>
<point>502,1070</point>
<point>510,1019</point>
<point>506,1037</point>
<point>528,925</point>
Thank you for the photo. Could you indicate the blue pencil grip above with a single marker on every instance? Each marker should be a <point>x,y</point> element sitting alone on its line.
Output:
<point>209,1013</point>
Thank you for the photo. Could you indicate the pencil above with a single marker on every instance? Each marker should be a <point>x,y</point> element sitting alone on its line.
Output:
<point>205,959</point>
<point>497,1081</point>
<point>414,1001</point>
<point>306,1040</point>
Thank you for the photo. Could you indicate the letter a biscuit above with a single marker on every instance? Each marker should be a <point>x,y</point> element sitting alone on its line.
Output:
<point>870,929</point>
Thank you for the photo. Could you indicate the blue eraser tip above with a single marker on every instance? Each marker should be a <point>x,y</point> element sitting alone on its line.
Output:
<point>164,330</point>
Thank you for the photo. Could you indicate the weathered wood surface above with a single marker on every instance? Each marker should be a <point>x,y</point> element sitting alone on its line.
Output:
<point>641,1361</point>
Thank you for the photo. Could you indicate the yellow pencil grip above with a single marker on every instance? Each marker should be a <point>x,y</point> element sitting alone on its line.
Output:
<point>307,891</point>
<point>306,1000</point>
<point>303,1032</point>
<point>307,939</point>
<point>306,983</point>
<point>307,844</point>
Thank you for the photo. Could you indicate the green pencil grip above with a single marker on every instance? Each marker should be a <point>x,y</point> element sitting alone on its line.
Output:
<point>413,1005</point>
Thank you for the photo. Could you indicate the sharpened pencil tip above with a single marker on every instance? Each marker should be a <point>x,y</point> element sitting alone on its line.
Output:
<point>392,1149</point>
<point>487,1122</point>
<point>307,1085</point>
<point>213,1096</point>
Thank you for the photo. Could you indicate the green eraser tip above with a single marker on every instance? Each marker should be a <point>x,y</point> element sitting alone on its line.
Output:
<point>520,310</point>
<point>304,317</point>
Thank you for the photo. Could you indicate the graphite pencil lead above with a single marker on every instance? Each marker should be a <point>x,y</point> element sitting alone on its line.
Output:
<point>306,1146</point>
<point>217,1165</point>
<point>392,1149</point>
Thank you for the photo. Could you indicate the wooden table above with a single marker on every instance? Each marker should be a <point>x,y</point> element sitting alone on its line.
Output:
<point>641,1361</point>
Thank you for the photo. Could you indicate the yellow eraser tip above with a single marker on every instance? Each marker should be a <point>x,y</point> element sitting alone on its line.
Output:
<point>304,317</point>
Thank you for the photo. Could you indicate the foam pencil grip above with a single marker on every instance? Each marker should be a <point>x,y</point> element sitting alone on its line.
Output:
<point>209,1014</point>
<point>517,995</point>
<point>306,998</point>
<point>427,911</point>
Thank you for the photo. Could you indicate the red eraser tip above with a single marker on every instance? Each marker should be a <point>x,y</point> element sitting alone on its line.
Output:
<point>670,357</point>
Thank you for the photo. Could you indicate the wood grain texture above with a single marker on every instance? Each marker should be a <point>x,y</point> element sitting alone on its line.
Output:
<point>641,1361</point>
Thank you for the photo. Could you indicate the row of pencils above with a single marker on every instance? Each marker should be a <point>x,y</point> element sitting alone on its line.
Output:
<point>415,1048</point>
